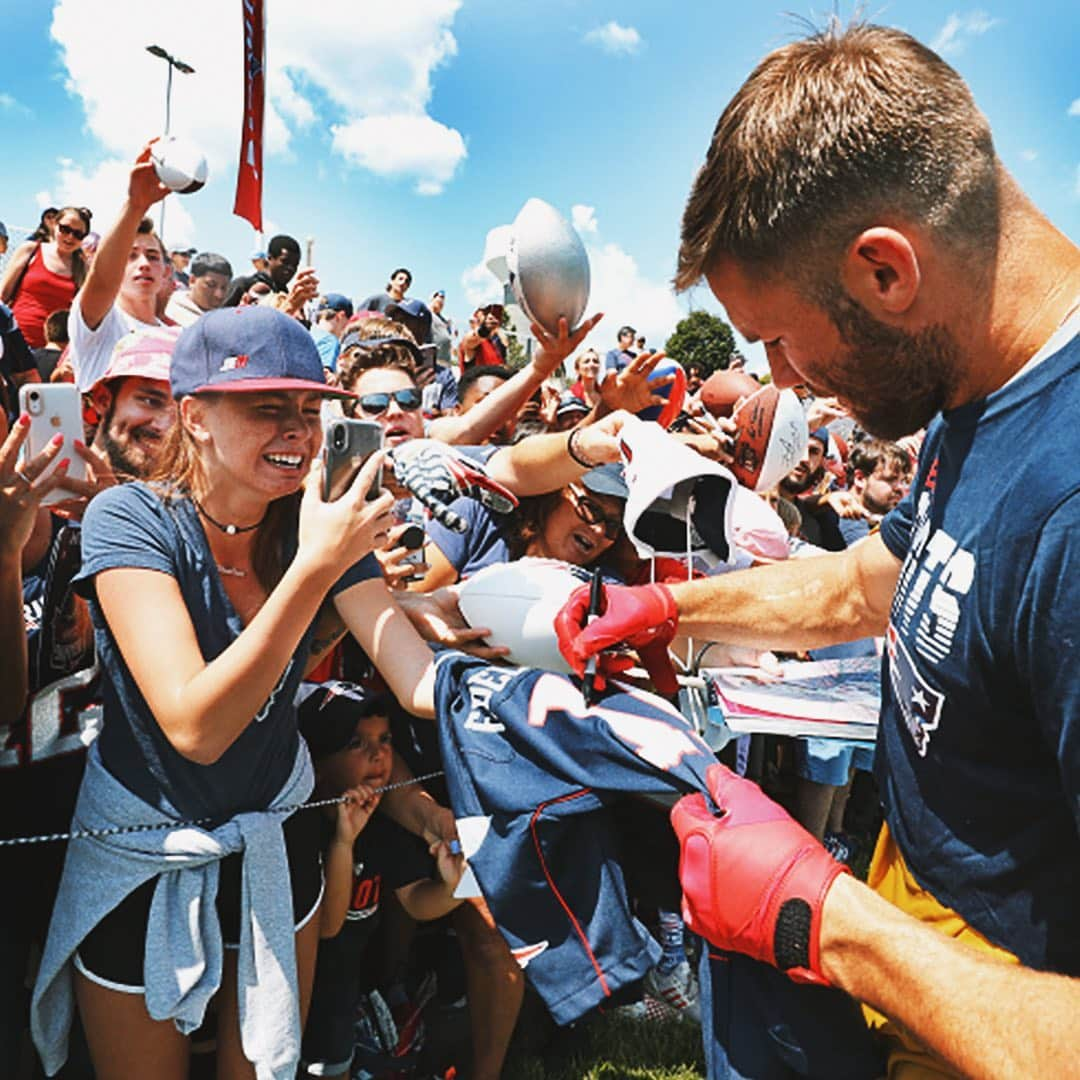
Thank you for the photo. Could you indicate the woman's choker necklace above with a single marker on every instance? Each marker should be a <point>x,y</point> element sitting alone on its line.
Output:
<point>230,529</point>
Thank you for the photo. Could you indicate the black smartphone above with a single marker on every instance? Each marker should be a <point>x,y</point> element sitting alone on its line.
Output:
<point>347,444</point>
<point>427,355</point>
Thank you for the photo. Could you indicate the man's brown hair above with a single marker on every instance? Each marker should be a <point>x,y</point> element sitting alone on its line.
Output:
<point>846,129</point>
<point>868,454</point>
<point>146,228</point>
<point>355,359</point>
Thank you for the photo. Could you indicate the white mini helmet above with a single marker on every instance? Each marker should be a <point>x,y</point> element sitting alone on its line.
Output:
<point>549,269</point>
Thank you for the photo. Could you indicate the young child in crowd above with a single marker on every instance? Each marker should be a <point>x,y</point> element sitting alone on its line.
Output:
<point>348,733</point>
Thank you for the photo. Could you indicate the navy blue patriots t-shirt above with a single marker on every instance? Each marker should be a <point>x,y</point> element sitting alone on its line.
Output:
<point>979,745</point>
<point>134,526</point>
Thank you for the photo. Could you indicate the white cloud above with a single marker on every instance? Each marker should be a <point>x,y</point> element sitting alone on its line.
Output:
<point>103,188</point>
<point>11,104</point>
<point>625,295</point>
<point>481,286</point>
<point>404,145</point>
<point>1074,108</point>
<point>330,64</point>
<point>615,39</point>
<point>583,218</point>
<point>958,30</point>
<point>1029,155</point>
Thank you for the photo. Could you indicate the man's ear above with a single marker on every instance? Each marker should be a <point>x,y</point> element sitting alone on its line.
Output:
<point>881,271</point>
<point>101,398</point>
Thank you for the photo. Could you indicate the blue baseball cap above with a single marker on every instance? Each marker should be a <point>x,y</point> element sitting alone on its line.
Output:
<point>335,301</point>
<point>607,479</point>
<point>249,349</point>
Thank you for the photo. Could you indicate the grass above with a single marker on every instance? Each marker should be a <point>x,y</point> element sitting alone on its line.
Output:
<point>611,1048</point>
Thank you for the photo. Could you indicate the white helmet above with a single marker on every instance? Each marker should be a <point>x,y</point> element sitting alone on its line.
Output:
<point>548,267</point>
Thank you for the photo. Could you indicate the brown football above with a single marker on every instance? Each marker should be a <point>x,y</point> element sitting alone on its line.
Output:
<point>754,423</point>
<point>721,390</point>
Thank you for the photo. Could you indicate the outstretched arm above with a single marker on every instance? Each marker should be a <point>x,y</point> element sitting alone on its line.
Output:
<point>983,1015</point>
<point>794,605</point>
<point>503,403</point>
<point>107,270</point>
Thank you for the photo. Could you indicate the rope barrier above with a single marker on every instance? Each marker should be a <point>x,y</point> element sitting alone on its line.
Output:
<point>121,830</point>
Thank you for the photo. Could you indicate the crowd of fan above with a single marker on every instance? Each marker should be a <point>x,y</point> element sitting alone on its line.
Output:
<point>106,313</point>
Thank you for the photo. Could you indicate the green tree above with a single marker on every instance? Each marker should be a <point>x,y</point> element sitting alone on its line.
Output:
<point>703,340</point>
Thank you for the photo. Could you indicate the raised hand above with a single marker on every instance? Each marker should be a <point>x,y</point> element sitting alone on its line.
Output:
<point>338,534</point>
<point>555,348</point>
<point>22,486</point>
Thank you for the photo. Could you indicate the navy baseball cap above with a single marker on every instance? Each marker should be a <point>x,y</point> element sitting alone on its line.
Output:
<point>607,480</point>
<point>352,337</point>
<point>251,348</point>
<point>334,301</point>
<point>327,713</point>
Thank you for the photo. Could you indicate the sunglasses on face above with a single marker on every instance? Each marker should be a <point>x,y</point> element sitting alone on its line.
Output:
<point>592,513</point>
<point>67,230</point>
<point>376,404</point>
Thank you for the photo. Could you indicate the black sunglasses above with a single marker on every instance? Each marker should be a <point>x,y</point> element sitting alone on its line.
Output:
<point>374,404</point>
<point>67,230</point>
<point>592,513</point>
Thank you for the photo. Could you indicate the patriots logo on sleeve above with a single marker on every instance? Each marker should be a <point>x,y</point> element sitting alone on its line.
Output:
<point>919,703</point>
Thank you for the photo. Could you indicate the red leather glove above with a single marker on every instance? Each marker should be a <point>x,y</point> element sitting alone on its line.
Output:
<point>753,879</point>
<point>638,616</point>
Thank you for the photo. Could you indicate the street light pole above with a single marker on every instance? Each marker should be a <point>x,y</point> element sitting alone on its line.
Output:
<point>186,69</point>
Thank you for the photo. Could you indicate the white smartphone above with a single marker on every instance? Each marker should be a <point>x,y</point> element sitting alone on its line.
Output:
<point>54,409</point>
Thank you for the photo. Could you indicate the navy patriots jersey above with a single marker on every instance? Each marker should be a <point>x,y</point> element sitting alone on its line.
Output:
<point>533,772</point>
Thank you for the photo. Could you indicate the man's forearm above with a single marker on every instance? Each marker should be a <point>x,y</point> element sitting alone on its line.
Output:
<point>793,605</point>
<point>983,1015</point>
<point>536,465</point>
<point>501,405</point>
<point>107,270</point>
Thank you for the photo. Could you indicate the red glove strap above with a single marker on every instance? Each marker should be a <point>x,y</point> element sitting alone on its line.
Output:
<point>753,879</point>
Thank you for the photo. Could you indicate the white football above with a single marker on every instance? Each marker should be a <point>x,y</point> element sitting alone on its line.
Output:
<point>179,163</point>
<point>548,267</point>
<point>518,602</point>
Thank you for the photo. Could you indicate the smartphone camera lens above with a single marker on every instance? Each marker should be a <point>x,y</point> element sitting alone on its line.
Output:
<point>33,401</point>
<point>339,438</point>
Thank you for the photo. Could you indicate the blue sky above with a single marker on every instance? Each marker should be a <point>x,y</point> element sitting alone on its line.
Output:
<point>401,133</point>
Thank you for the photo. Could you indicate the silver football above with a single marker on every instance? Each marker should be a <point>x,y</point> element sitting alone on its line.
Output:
<point>548,265</point>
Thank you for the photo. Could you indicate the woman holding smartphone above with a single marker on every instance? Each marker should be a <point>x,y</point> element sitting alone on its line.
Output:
<point>204,587</point>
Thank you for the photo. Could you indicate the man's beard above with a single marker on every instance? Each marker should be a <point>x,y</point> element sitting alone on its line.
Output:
<point>129,458</point>
<point>893,382</point>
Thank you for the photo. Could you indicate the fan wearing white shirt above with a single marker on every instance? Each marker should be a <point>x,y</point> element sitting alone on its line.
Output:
<point>122,287</point>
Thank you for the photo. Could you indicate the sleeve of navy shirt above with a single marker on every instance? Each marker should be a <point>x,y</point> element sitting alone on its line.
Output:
<point>480,545</point>
<point>126,526</point>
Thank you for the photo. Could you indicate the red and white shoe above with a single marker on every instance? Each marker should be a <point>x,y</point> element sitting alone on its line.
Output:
<point>677,988</point>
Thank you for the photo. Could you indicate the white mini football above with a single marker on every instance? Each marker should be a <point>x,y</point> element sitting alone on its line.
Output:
<point>179,163</point>
<point>548,267</point>
<point>518,602</point>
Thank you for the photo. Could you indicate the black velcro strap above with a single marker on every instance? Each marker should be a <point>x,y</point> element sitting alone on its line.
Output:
<point>791,937</point>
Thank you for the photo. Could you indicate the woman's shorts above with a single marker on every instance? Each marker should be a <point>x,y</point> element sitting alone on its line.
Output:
<point>113,953</point>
